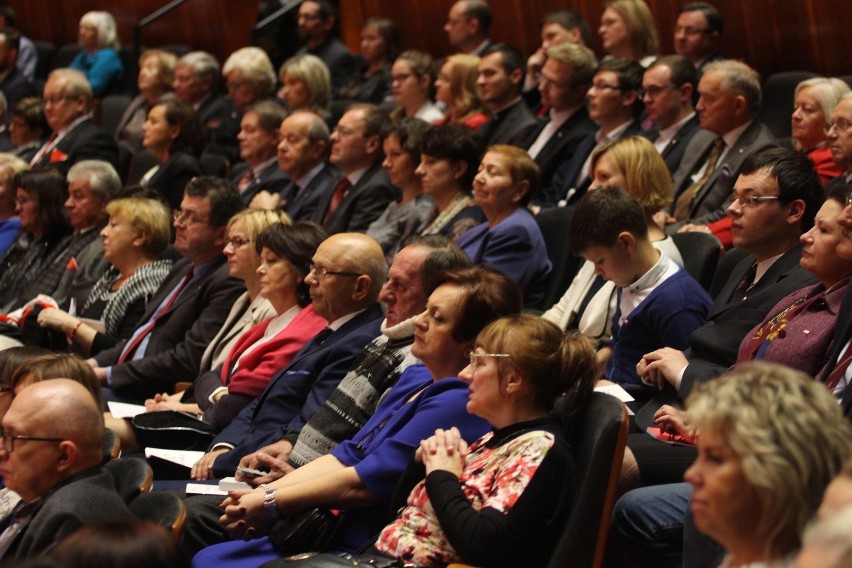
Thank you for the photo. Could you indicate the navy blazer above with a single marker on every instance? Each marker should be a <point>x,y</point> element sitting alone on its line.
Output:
<point>296,392</point>
<point>86,141</point>
<point>676,148</point>
<point>270,179</point>
<point>301,204</point>
<point>180,336</point>
<point>361,205</point>
<point>509,126</point>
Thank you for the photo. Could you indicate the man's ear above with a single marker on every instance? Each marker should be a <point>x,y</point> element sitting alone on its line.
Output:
<point>796,211</point>
<point>68,456</point>
<point>627,239</point>
<point>362,287</point>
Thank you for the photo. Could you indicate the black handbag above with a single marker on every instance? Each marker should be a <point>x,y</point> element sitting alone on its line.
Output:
<point>335,560</point>
<point>307,531</point>
<point>172,430</point>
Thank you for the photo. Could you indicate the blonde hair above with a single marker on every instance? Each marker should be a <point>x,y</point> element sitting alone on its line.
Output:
<point>166,63</point>
<point>313,71</point>
<point>639,22</point>
<point>255,67</point>
<point>255,221</point>
<point>647,179</point>
<point>463,69</point>
<point>149,216</point>
<point>833,537</point>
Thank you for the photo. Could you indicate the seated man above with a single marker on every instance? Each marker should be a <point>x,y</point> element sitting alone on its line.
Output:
<point>55,466</point>
<point>258,139</point>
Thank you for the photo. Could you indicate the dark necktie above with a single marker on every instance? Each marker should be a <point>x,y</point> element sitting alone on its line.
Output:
<point>687,198</point>
<point>246,180</point>
<point>339,192</point>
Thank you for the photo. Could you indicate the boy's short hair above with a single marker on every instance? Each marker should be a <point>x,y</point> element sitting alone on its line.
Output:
<point>601,215</point>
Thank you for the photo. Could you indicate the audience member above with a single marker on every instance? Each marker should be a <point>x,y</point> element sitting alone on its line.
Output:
<point>827,543</point>
<point>563,83</point>
<point>259,137</point>
<point>697,34</point>
<point>362,191</point>
<point>306,85</point>
<point>559,26</point>
<point>27,52</point>
<point>509,240</point>
<point>67,108</point>
<point>839,138</point>
<point>317,20</point>
<point>98,60</point>
<point>187,309</point>
<point>815,100</point>
<point>6,144</point>
<point>838,369</point>
<point>13,83</point>
<point>501,77</point>
<point>380,41</point>
<point>28,127</point>
<point>456,89</point>
<point>628,31</point>
<point>412,76</point>
<point>410,215</point>
<point>668,87</point>
<point>468,23</point>
<point>10,223</point>
<point>196,83</point>
<point>155,79</point>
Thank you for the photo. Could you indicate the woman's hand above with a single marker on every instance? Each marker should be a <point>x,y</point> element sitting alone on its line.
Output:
<point>444,451</point>
<point>168,401</point>
<point>674,420</point>
<point>54,318</point>
<point>244,514</point>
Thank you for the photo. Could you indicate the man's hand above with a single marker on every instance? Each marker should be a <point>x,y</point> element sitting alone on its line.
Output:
<point>662,367</point>
<point>203,468</point>
<point>272,458</point>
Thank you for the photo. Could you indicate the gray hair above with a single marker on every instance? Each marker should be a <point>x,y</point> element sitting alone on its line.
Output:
<point>202,64</point>
<point>254,65</point>
<point>105,24</point>
<point>102,177</point>
<point>828,91</point>
<point>739,79</point>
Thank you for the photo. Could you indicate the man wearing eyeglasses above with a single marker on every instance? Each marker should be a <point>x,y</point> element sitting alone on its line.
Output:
<point>50,455</point>
<point>839,136</point>
<point>189,307</point>
<point>697,33</point>
<point>67,108</point>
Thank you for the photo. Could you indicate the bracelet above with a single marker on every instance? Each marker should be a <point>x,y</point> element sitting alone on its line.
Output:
<point>269,502</point>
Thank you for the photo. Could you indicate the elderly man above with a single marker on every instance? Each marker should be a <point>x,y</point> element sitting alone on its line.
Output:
<point>697,34</point>
<point>258,139</point>
<point>188,308</point>
<point>363,190</point>
<point>316,21</point>
<point>55,467</point>
<point>347,275</point>
<point>467,26</point>
<point>67,107</point>
<point>501,74</point>
<point>839,136</point>
<point>196,78</point>
<point>727,109</point>
<point>667,89</point>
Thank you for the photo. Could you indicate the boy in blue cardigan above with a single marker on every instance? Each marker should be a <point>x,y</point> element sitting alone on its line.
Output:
<point>659,304</point>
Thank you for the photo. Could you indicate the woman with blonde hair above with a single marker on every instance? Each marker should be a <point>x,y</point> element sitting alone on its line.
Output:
<point>412,76</point>
<point>628,31</point>
<point>99,60</point>
<point>305,84</point>
<point>814,102</point>
<point>156,75</point>
<point>456,88</point>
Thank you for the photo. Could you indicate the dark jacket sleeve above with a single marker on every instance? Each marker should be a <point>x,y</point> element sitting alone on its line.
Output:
<point>125,329</point>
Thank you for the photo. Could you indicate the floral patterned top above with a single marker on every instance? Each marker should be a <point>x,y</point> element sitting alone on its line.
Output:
<point>509,502</point>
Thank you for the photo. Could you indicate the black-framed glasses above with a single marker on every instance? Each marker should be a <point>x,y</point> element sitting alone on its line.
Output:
<point>186,219</point>
<point>9,440</point>
<point>751,200</point>
<point>474,358</point>
<point>237,242</point>
<point>655,91</point>
<point>841,125</point>
<point>321,271</point>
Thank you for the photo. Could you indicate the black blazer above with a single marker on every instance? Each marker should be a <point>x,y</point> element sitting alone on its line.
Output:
<point>173,175</point>
<point>86,141</point>
<point>676,148</point>
<point>510,126</point>
<point>362,204</point>
<point>301,204</point>
<point>269,179</point>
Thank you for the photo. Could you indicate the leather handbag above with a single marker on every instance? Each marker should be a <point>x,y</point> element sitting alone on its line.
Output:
<point>172,430</point>
<point>307,531</point>
<point>335,560</point>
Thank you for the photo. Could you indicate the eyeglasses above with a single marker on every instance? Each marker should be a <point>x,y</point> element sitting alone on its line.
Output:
<point>320,272</point>
<point>474,358</point>
<point>9,440</point>
<point>751,200</point>
<point>547,83</point>
<point>399,78</point>
<point>849,200</point>
<point>841,125</point>
<point>237,242</point>
<point>654,91</point>
<point>186,219</point>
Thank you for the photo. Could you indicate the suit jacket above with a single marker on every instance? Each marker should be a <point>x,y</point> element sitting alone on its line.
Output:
<point>85,498</point>
<point>180,335</point>
<point>842,335</point>
<point>341,63</point>
<point>297,391</point>
<point>301,204</point>
<point>709,203</point>
<point>16,86</point>
<point>86,141</point>
<point>676,148</point>
<point>558,150</point>
<point>509,126</point>
<point>173,175</point>
<point>362,205</point>
<point>270,179</point>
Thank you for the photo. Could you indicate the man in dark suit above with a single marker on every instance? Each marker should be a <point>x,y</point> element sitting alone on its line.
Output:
<point>258,139</point>
<point>838,370</point>
<point>563,83</point>
<point>501,74</point>
<point>468,23</point>
<point>697,33</point>
<point>13,83</point>
<point>667,89</point>
<point>727,110</point>
<point>363,190</point>
<point>196,79</point>
<point>67,108</point>
<point>316,23</point>
<point>52,438</point>
<point>347,275</point>
<point>190,305</point>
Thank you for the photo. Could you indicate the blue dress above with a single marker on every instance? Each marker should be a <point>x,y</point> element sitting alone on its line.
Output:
<point>102,68</point>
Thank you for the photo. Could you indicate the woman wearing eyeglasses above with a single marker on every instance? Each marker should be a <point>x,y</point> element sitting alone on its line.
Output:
<point>412,75</point>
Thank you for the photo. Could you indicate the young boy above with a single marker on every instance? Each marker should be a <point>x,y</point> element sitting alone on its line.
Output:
<point>659,304</point>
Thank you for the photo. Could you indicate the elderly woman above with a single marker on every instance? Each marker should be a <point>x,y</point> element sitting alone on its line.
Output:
<point>456,88</point>
<point>501,501</point>
<point>379,48</point>
<point>412,75</point>
<point>305,84</point>
<point>770,440</point>
<point>634,164</point>
<point>156,75</point>
<point>28,127</point>
<point>285,257</point>
<point>99,60</point>
<point>361,474</point>
<point>412,212</point>
<point>628,31</point>
<point>813,105</point>
<point>449,156</point>
<point>133,241</point>
<point>174,136</point>
<point>39,199</point>
<point>10,224</point>
<point>509,240</point>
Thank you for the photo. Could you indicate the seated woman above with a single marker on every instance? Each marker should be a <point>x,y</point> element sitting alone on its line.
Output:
<point>99,60</point>
<point>133,241</point>
<point>156,75</point>
<point>412,75</point>
<point>634,164</point>
<point>285,257</point>
<point>628,31</point>
<point>306,84</point>
<point>509,240</point>
<point>379,47</point>
<point>414,210</point>
<point>503,500</point>
<point>10,224</point>
<point>449,156</point>
<point>456,88</point>
<point>360,475</point>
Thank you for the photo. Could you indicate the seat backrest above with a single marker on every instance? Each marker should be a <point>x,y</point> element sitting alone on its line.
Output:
<point>66,54</point>
<point>701,253</point>
<point>162,507</point>
<point>553,224</point>
<point>111,446</point>
<point>777,104</point>
<point>112,109</point>
<point>598,446</point>
<point>44,50</point>
<point>214,164</point>
<point>133,477</point>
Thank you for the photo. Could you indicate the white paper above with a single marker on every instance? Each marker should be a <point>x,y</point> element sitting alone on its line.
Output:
<point>225,485</point>
<point>618,392</point>
<point>124,410</point>
<point>181,457</point>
